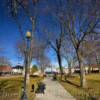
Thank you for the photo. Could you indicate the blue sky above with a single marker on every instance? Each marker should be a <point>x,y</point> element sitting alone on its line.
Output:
<point>8,35</point>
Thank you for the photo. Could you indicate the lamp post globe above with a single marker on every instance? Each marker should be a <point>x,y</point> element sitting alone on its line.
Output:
<point>28,34</point>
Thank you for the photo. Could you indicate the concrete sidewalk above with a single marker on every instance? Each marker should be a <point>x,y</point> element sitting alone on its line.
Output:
<point>54,91</point>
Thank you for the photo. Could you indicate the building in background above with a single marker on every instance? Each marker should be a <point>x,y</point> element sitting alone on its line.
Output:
<point>66,70</point>
<point>17,69</point>
<point>5,70</point>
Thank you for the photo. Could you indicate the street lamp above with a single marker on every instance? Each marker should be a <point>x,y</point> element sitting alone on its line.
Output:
<point>28,38</point>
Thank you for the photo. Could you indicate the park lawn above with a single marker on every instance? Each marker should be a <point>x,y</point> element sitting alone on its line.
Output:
<point>92,90</point>
<point>11,87</point>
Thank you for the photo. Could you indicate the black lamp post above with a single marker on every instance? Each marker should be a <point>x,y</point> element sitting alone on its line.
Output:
<point>24,92</point>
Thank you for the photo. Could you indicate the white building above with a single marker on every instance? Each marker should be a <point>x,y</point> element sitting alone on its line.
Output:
<point>17,70</point>
<point>66,70</point>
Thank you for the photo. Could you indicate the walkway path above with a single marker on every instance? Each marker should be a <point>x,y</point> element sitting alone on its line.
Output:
<point>54,91</point>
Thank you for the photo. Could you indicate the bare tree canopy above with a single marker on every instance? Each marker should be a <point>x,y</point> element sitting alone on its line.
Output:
<point>67,27</point>
<point>78,23</point>
<point>4,61</point>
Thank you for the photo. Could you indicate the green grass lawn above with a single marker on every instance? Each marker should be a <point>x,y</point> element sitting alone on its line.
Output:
<point>11,87</point>
<point>92,91</point>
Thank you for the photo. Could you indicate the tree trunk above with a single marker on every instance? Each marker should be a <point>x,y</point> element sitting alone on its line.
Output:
<point>42,69</point>
<point>89,66</point>
<point>97,61</point>
<point>69,68</point>
<point>60,64</point>
<point>99,67</point>
<point>89,70</point>
<point>82,76</point>
<point>82,70</point>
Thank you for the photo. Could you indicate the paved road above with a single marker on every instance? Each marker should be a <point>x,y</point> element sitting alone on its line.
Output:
<point>54,91</point>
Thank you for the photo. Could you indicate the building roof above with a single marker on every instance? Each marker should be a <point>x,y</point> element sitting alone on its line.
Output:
<point>5,68</point>
<point>18,67</point>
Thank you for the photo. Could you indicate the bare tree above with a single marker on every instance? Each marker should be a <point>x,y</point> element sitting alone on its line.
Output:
<point>77,37</point>
<point>40,54</point>
<point>20,11</point>
<point>68,53</point>
<point>55,41</point>
<point>91,50</point>
<point>20,48</point>
<point>37,52</point>
<point>4,61</point>
<point>43,62</point>
<point>78,24</point>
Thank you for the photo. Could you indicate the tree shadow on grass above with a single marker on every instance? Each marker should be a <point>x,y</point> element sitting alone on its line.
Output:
<point>69,82</point>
